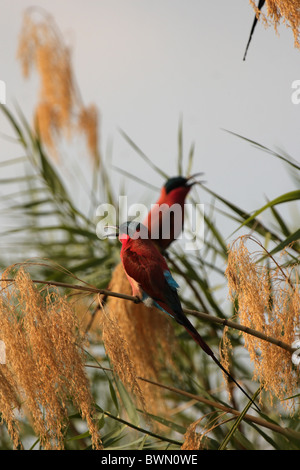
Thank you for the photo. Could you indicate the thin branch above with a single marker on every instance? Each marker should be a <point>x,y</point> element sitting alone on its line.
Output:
<point>92,290</point>
<point>204,316</point>
<point>245,329</point>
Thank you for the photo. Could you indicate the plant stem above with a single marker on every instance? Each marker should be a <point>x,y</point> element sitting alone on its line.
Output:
<point>245,329</point>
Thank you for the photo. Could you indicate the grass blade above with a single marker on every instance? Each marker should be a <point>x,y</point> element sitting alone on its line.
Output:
<point>143,155</point>
<point>238,421</point>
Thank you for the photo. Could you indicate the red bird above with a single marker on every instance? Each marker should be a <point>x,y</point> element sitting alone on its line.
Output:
<point>166,218</point>
<point>152,282</point>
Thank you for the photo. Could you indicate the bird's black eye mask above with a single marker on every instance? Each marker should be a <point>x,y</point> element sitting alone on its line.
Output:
<point>134,230</point>
<point>175,182</point>
<point>181,182</point>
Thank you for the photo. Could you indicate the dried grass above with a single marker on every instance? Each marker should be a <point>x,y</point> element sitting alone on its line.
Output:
<point>147,337</point>
<point>287,11</point>
<point>60,108</point>
<point>44,371</point>
<point>194,440</point>
<point>267,302</point>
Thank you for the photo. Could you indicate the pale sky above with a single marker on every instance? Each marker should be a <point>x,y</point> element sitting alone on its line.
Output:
<point>145,63</point>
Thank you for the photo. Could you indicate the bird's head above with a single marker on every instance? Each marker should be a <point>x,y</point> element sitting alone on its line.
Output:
<point>181,182</point>
<point>132,229</point>
<point>179,186</point>
<point>128,230</point>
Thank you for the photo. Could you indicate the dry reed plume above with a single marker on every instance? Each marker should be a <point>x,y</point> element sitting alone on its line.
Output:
<point>194,440</point>
<point>60,108</point>
<point>44,371</point>
<point>118,351</point>
<point>269,302</point>
<point>286,10</point>
<point>148,336</point>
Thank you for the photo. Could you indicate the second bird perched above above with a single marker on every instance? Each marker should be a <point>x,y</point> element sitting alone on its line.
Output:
<point>166,218</point>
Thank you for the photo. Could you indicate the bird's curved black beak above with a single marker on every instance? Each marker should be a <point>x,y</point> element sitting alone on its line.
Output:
<point>114,233</point>
<point>190,179</point>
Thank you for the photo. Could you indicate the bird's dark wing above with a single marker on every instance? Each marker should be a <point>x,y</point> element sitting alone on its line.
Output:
<point>145,267</point>
<point>149,269</point>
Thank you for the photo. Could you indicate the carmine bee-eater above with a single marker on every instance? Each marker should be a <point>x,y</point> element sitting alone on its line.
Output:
<point>166,218</point>
<point>152,282</point>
